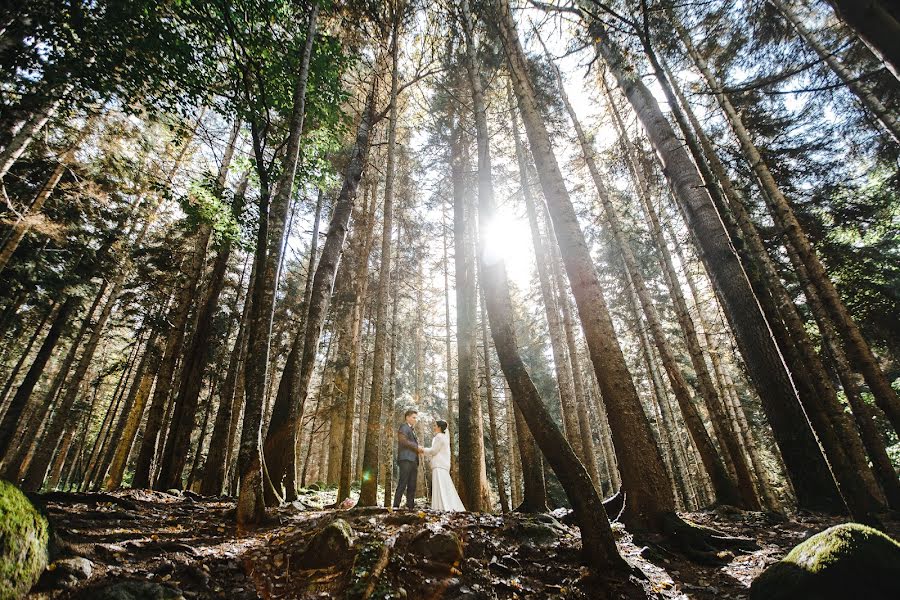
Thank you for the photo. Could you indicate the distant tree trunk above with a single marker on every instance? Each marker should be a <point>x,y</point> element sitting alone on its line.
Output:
<point>17,464</point>
<point>270,245</point>
<point>388,445</point>
<point>323,281</point>
<point>731,450</point>
<point>877,23</point>
<point>132,417</point>
<point>199,350</point>
<point>37,470</point>
<point>499,466</point>
<point>357,266</point>
<point>858,350</point>
<point>640,463</point>
<point>448,346</point>
<point>10,422</point>
<point>369,485</point>
<point>49,313</point>
<point>218,459</point>
<point>561,361</point>
<point>809,471</point>
<point>887,119</point>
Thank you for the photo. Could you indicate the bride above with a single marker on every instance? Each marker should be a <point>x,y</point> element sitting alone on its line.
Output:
<point>443,493</point>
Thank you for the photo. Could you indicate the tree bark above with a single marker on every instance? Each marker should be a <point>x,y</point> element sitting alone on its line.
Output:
<point>368,490</point>
<point>270,245</point>
<point>858,349</point>
<point>499,465</point>
<point>200,349</point>
<point>878,25</point>
<point>640,463</point>
<point>809,471</point>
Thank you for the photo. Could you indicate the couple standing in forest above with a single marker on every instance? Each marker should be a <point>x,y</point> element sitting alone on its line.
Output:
<point>443,492</point>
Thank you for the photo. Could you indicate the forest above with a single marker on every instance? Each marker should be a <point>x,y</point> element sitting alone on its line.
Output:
<point>623,276</point>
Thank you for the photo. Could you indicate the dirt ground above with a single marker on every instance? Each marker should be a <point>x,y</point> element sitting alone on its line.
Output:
<point>191,546</point>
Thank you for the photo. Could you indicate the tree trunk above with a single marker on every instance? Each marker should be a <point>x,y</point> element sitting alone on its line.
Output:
<point>640,463</point>
<point>201,347</point>
<point>499,466</point>
<point>878,25</point>
<point>805,367</point>
<point>561,361</point>
<point>132,416</point>
<point>596,533</point>
<point>369,485</point>
<point>10,422</point>
<point>731,450</point>
<point>840,440</point>
<point>858,350</point>
<point>809,471</point>
<point>270,245</point>
<point>23,138</point>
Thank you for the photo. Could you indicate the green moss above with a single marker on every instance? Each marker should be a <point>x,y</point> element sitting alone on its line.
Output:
<point>845,561</point>
<point>23,542</point>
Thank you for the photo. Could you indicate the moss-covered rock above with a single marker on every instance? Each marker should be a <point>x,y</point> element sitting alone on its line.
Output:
<point>845,561</point>
<point>329,546</point>
<point>23,542</point>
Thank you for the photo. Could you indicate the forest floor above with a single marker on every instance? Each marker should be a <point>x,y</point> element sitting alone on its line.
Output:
<point>192,545</point>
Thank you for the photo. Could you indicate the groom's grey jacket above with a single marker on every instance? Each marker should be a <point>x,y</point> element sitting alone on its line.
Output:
<point>407,444</point>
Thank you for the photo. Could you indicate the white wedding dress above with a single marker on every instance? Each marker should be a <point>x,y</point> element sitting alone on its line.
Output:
<point>443,492</point>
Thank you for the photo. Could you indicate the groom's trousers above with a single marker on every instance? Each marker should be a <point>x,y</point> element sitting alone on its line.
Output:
<point>406,482</point>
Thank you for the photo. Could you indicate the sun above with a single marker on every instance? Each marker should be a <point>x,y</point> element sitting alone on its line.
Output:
<point>507,237</point>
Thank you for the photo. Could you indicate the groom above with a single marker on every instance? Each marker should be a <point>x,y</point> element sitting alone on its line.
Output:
<point>408,451</point>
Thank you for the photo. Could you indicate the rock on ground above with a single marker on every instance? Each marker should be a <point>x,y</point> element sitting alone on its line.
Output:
<point>23,542</point>
<point>844,561</point>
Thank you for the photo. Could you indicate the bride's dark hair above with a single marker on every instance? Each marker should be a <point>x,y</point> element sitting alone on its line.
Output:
<point>442,424</point>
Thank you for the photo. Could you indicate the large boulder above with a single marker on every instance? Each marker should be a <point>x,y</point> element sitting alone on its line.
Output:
<point>24,535</point>
<point>845,561</point>
<point>329,546</point>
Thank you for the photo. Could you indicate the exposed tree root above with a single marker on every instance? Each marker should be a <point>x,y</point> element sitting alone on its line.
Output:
<point>703,544</point>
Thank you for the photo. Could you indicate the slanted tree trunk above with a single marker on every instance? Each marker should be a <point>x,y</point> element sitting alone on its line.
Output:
<point>269,248</point>
<point>21,226</point>
<point>640,463</point>
<point>199,350</point>
<point>805,366</point>
<point>596,533</point>
<point>808,469</point>
<point>877,22</point>
<point>840,439</point>
<point>132,418</point>
<point>10,424</point>
<point>887,119</point>
<point>731,450</point>
<point>561,361</point>
<point>218,459</point>
<point>499,463</point>
<point>858,349</point>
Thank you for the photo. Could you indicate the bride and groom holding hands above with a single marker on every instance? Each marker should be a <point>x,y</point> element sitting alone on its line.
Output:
<point>443,492</point>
